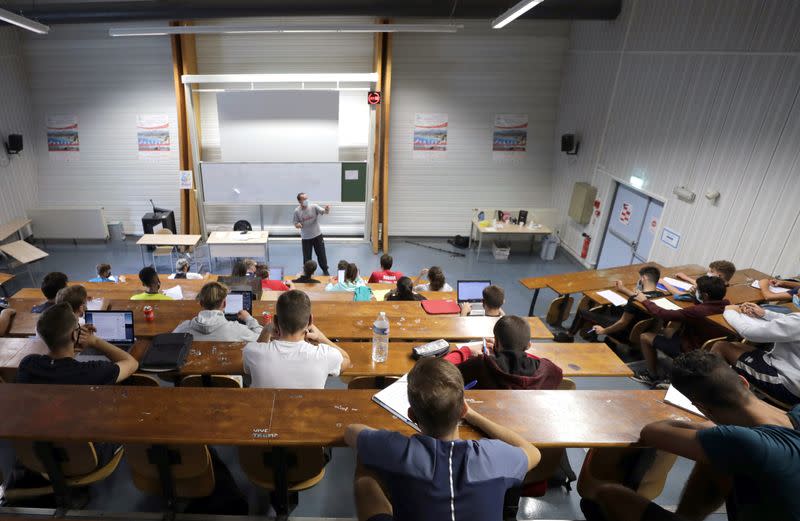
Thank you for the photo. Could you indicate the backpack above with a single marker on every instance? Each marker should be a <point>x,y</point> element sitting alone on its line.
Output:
<point>362,294</point>
<point>459,241</point>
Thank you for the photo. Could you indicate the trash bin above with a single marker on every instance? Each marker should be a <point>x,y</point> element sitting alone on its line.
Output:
<point>549,247</point>
<point>501,250</point>
<point>115,231</point>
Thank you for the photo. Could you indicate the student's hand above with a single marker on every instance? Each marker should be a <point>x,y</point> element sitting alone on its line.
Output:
<point>243,315</point>
<point>289,284</point>
<point>298,225</point>
<point>490,344</point>
<point>465,309</point>
<point>618,284</point>
<point>775,282</point>
<point>476,348</point>
<point>639,296</point>
<point>470,414</point>
<point>681,275</point>
<point>86,337</point>
<point>334,280</point>
<point>424,272</point>
<point>314,335</point>
<point>327,208</point>
<point>752,310</point>
<point>600,330</point>
<point>122,278</point>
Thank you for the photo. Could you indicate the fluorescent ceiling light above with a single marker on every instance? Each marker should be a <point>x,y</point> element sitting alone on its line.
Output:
<point>25,23</point>
<point>515,12</point>
<point>367,77</point>
<point>276,29</point>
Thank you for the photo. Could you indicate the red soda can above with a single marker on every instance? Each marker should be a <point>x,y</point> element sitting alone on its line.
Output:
<point>267,317</point>
<point>149,314</point>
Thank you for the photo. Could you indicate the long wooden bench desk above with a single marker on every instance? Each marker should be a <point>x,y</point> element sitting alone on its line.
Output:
<point>308,417</point>
<point>5,277</point>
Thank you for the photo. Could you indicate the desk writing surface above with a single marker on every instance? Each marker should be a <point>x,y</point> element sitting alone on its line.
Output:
<point>12,227</point>
<point>23,252</point>
<point>5,277</point>
<point>561,278</point>
<point>168,239</point>
<point>600,279</point>
<point>509,228</point>
<point>316,292</point>
<point>232,237</point>
<point>746,276</point>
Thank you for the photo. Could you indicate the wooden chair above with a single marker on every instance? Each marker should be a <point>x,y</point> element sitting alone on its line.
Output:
<point>162,251</point>
<point>283,472</point>
<point>708,344</point>
<point>141,380</point>
<point>643,326</point>
<point>65,465</point>
<point>559,310</point>
<point>212,380</point>
<point>642,470</point>
<point>171,471</point>
<point>567,385</point>
<point>371,382</point>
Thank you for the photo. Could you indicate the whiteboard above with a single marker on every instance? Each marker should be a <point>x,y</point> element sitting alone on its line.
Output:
<point>270,183</point>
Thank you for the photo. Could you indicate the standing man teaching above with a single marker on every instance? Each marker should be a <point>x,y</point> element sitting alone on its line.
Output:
<point>306,219</point>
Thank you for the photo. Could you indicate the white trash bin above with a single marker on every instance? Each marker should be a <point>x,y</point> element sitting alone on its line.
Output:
<point>549,247</point>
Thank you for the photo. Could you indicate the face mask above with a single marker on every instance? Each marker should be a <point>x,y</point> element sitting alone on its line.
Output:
<point>639,285</point>
<point>304,204</point>
<point>796,300</point>
<point>709,274</point>
<point>697,296</point>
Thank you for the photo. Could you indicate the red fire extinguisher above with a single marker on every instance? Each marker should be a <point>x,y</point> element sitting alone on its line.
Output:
<point>587,239</point>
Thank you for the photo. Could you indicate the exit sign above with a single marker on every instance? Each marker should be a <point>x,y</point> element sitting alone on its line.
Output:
<point>374,98</point>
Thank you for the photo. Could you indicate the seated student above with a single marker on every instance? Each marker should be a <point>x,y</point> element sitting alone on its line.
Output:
<point>77,298</point>
<point>436,475</point>
<point>211,324</point>
<point>351,280</point>
<point>58,328</point>
<point>777,371</point>
<point>436,280</point>
<point>720,268</point>
<point>244,268</point>
<point>262,272</point>
<point>493,299</point>
<point>103,274</point>
<point>309,267</point>
<point>51,285</point>
<point>710,296</point>
<point>298,355</point>
<point>505,364</point>
<point>6,316</point>
<point>617,321</point>
<point>404,291</point>
<point>791,295</point>
<point>386,275</point>
<point>748,456</point>
<point>152,284</point>
<point>182,271</point>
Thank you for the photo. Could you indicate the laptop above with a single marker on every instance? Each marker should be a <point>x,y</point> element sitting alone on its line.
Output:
<point>115,327</point>
<point>237,301</point>
<point>275,273</point>
<point>471,291</point>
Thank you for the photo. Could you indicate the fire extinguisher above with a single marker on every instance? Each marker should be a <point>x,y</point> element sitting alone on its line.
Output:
<point>587,239</point>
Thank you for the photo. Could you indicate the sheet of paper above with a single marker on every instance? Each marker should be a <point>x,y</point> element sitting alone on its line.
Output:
<point>380,294</point>
<point>175,292</point>
<point>613,297</point>
<point>772,289</point>
<point>681,285</point>
<point>395,400</point>
<point>666,304</point>
<point>351,175</point>
<point>678,399</point>
<point>96,304</point>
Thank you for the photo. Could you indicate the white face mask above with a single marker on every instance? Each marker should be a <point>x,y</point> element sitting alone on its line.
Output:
<point>304,204</point>
<point>796,300</point>
<point>697,296</point>
<point>709,274</point>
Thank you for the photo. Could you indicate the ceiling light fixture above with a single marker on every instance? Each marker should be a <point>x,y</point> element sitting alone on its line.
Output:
<point>25,23</point>
<point>365,77</point>
<point>515,12</point>
<point>277,29</point>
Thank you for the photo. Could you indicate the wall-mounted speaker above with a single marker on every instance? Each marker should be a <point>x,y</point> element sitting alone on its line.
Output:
<point>14,145</point>
<point>569,144</point>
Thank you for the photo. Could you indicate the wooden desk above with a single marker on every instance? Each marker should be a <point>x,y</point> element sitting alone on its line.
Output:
<point>5,277</point>
<point>747,276</point>
<point>505,229</point>
<point>346,296</point>
<point>230,244</point>
<point>23,252</point>
<point>110,291</point>
<point>13,350</point>
<point>10,228</point>
<point>308,417</point>
<point>720,319</point>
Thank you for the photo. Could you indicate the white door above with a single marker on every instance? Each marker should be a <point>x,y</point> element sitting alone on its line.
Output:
<point>630,230</point>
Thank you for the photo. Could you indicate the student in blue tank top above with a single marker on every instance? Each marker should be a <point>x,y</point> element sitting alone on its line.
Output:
<point>435,475</point>
<point>749,457</point>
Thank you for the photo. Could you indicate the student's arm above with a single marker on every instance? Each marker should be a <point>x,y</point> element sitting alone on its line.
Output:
<point>763,286</point>
<point>315,335</point>
<point>296,220</point>
<point>251,323</point>
<point>773,327</point>
<point>498,432</point>
<point>785,283</point>
<point>686,278</point>
<point>5,320</point>
<point>619,325</point>
<point>676,437</point>
<point>127,363</point>
<point>672,289</point>
<point>465,309</point>
<point>351,433</point>
<point>422,274</point>
<point>619,286</point>
<point>327,209</point>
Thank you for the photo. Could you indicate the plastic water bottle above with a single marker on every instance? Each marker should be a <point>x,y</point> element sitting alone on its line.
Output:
<point>380,338</point>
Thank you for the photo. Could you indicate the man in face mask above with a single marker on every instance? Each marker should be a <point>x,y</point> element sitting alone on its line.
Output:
<point>306,219</point>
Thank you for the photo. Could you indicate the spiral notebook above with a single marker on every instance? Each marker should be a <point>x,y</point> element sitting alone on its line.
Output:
<point>395,400</point>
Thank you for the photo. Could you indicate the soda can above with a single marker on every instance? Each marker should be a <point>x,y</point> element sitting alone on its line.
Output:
<point>149,314</point>
<point>267,317</point>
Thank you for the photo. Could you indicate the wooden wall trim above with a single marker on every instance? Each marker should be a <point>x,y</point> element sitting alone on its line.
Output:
<point>377,65</point>
<point>386,110</point>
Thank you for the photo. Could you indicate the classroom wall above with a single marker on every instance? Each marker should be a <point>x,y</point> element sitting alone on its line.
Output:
<point>106,82</point>
<point>473,75</point>
<point>17,173</point>
<point>702,94</point>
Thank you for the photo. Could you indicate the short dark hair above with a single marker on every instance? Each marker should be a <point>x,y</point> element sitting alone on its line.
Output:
<point>386,261</point>
<point>148,275</point>
<point>436,395</point>
<point>725,268</point>
<point>405,288</point>
<point>299,194</point>
<point>56,325</point>
<point>351,273</point>
<point>75,296</point>
<point>493,297</point>
<point>714,287</point>
<point>292,311</point>
<point>706,378</point>
<point>52,284</point>
<point>241,266</point>
<point>513,333</point>
<point>309,267</point>
<point>342,265</point>
<point>103,269</point>
<point>651,273</point>
<point>262,271</point>
<point>436,278</point>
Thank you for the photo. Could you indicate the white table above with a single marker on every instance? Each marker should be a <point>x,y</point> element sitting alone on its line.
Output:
<point>238,244</point>
<point>505,229</point>
<point>166,239</point>
<point>15,226</point>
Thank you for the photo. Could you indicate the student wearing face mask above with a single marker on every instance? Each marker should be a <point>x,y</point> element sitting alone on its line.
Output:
<point>306,219</point>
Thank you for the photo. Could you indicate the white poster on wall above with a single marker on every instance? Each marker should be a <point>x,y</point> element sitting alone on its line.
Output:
<point>63,142</point>
<point>510,136</point>
<point>152,135</point>
<point>185,179</point>
<point>430,135</point>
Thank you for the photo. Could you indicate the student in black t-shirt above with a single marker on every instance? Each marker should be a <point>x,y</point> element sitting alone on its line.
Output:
<point>309,267</point>
<point>52,283</point>
<point>404,291</point>
<point>58,328</point>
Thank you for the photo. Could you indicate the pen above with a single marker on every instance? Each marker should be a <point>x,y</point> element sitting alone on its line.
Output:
<point>470,385</point>
<point>485,351</point>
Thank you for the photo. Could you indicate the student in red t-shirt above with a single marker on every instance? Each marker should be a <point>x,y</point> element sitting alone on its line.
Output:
<point>262,271</point>
<point>386,275</point>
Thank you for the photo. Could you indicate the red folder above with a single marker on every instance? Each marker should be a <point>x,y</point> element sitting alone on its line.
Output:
<point>441,307</point>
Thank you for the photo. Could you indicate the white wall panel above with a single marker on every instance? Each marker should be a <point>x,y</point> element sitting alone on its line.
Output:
<point>106,82</point>
<point>17,173</point>
<point>707,97</point>
<point>472,75</point>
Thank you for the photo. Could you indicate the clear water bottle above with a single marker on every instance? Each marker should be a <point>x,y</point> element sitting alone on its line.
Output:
<point>380,338</point>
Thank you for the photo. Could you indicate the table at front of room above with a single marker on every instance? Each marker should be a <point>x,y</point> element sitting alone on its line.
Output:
<point>505,229</point>
<point>166,239</point>
<point>237,244</point>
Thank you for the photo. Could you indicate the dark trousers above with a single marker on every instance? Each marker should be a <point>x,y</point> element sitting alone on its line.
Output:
<point>318,243</point>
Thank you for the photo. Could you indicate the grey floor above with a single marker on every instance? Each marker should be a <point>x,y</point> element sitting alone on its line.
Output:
<point>332,498</point>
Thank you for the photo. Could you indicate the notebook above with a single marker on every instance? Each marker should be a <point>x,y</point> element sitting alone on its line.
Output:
<point>681,285</point>
<point>772,289</point>
<point>441,307</point>
<point>395,400</point>
<point>613,297</point>
<point>666,304</point>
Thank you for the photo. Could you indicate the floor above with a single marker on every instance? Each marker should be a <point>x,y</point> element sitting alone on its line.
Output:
<point>332,498</point>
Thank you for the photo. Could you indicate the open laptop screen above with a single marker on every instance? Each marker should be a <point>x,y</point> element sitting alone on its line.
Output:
<point>237,301</point>
<point>115,327</point>
<point>471,290</point>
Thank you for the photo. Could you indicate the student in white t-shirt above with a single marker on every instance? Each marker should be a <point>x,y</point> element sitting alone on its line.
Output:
<point>182,271</point>
<point>297,355</point>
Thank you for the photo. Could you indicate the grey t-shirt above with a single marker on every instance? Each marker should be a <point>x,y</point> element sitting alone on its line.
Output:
<point>309,217</point>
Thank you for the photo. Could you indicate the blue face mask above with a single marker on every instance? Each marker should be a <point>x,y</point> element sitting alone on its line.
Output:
<point>796,300</point>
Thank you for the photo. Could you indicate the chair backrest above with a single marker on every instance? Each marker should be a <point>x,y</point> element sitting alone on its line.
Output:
<point>643,470</point>
<point>566,385</point>
<point>371,382</point>
<point>242,226</point>
<point>708,344</point>
<point>304,464</point>
<point>217,380</point>
<point>643,326</point>
<point>191,469</point>
<point>76,459</point>
<point>141,380</point>
<point>559,310</point>
<point>164,231</point>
